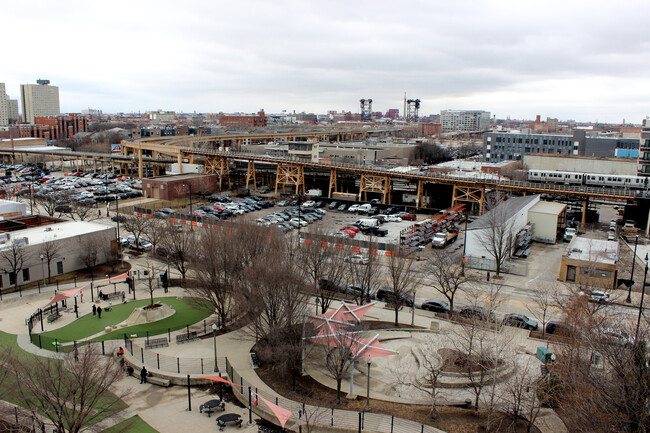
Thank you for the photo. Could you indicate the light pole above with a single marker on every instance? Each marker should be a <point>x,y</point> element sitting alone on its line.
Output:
<point>462,269</point>
<point>214,340</point>
<point>629,287</point>
<point>638,320</point>
<point>368,390</point>
<point>189,185</point>
<point>43,269</point>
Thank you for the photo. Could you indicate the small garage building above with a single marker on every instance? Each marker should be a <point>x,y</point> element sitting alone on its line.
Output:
<point>591,262</point>
<point>548,219</point>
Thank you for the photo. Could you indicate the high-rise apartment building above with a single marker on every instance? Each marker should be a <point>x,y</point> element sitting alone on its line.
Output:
<point>8,107</point>
<point>464,120</point>
<point>39,100</point>
<point>644,149</point>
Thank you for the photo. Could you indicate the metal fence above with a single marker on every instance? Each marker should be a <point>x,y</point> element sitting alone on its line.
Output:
<point>20,420</point>
<point>320,415</point>
<point>173,364</point>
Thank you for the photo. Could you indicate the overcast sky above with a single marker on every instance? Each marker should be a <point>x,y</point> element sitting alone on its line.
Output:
<point>583,60</point>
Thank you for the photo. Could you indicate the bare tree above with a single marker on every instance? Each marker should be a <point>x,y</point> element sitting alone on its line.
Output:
<point>447,276</point>
<point>544,299</point>
<point>179,245</point>
<point>364,278</point>
<point>12,259</point>
<point>156,231</point>
<point>90,255</point>
<point>403,276</point>
<point>496,235</point>
<point>71,394</point>
<point>49,251</point>
<point>522,395</point>
<point>426,377</point>
<point>47,202</point>
<point>153,271</point>
<point>318,262</point>
<point>136,226</point>
<point>81,211</point>
<point>339,360</point>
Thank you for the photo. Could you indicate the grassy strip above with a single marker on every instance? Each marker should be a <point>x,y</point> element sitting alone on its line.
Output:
<point>132,425</point>
<point>8,342</point>
<point>186,309</point>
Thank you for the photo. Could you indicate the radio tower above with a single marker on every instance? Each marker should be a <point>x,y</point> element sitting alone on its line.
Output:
<point>366,109</point>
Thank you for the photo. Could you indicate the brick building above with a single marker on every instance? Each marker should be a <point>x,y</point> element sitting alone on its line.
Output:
<point>54,127</point>
<point>258,119</point>
<point>174,186</point>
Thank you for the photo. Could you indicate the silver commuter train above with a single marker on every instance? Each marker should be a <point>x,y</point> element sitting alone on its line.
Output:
<point>590,179</point>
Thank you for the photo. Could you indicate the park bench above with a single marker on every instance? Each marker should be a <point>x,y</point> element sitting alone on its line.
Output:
<point>52,317</point>
<point>255,359</point>
<point>185,337</point>
<point>109,296</point>
<point>156,342</point>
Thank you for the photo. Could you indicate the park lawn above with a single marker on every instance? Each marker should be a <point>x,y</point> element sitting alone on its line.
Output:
<point>186,309</point>
<point>132,425</point>
<point>8,384</point>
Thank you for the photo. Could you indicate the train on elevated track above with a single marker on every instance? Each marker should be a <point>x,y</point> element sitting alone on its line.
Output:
<point>589,179</point>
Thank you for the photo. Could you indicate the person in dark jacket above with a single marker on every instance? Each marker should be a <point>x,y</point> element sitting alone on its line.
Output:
<point>143,375</point>
<point>99,312</point>
<point>94,309</point>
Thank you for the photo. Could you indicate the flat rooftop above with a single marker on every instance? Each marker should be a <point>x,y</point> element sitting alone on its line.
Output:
<point>55,231</point>
<point>593,250</point>
<point>548,207</point>
<point>178,176</point>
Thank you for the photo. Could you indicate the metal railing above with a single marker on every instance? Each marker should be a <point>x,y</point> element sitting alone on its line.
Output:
<point>321,415</point>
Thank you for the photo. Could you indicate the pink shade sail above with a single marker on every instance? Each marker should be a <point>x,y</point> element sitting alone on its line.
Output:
<point>65,294</point>
<point>370,348</point>
<point>220,379</point>
<point>114,279</point>
<point>280,413</point>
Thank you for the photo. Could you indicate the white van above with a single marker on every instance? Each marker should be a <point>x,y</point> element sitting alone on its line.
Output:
<point>368,222</point>
<point>364,208</point>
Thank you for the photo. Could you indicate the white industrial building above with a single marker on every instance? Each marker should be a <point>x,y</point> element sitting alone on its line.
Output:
<point>8,107</point>
<point>548,219</point>
<point>71,242</point>
<point>511,213</point>
<point>464,120</point>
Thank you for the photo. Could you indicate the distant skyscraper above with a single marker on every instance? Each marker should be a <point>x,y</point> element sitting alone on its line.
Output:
<point>8,107</point>
<point>39,100</point>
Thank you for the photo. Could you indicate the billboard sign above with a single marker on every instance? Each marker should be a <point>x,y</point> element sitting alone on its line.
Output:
<point>116,147</point>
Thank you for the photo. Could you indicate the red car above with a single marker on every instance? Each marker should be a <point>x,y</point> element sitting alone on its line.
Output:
<point>217,207</point>
<point>350,233</point>
<point>407,216</point>
<point>352,228</point>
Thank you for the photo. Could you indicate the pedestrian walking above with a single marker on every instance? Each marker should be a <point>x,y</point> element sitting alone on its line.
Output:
<point>143,375</point>
<point>99,312</point>
<point>81,295</point>
<point>75,352</point>
<point>94,309</point>
<point>123,297</point>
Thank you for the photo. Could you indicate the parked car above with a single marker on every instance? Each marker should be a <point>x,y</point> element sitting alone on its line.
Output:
<point>407,216</point>
<point>326,283</point>
<point>479,313</point>
<point>342,207</point>
<point>597,296</point>
<point>389,296</point>
<point>356,259</point>
<point>558,328</point>
<point>393,219</point>
<point>520,321</point>
<point>167,210</point>
<point>435,305</point>
<point>353,208</point>
<point>309,203</point>
<point>118,218</point>
<point>334,205</point>
<point>141,245</point>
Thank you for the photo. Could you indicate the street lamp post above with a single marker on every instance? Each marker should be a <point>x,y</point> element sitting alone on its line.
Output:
<point>368,390</point>
<point>214,340</point>
<point>629,287</point>
<point>638,320</point>
<point>462,269</point>
<point>43,269</point>
<point>189,185</point>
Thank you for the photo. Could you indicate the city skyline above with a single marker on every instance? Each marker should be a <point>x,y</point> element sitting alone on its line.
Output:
<point>577,60</point>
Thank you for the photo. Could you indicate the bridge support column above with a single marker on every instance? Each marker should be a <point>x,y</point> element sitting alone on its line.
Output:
<point>418,201</point>
<point>250,174</point>
<point>469,194</point>
<point>371,183</point>
<point>179,160</point>
<point>585,206</point>
<point>140,164</point>
<point>332,183</point>
<point>290,175</point>
<point>220,167</point>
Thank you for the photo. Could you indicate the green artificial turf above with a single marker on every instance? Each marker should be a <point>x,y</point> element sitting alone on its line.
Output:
<point>132,425</point>
<point>187,313</point>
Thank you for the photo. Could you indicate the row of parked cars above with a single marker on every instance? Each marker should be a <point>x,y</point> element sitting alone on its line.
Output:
<point>221,208</point>
<point>291,218</point>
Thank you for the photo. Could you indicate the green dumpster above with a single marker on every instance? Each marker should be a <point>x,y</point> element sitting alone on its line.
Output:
<point>544,355</point>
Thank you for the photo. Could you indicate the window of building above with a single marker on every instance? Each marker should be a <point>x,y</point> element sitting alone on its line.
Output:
<point>59,268</point>
<point>12,278</point>
<point>25,274</point>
